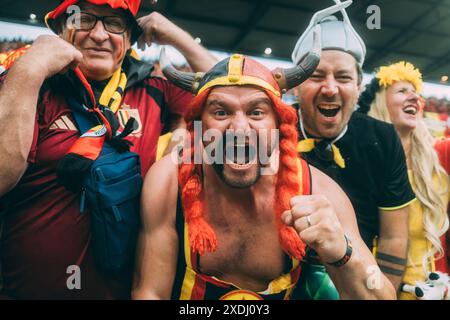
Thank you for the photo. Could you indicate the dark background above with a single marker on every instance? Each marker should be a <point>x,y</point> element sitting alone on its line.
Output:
<point>413,30</point>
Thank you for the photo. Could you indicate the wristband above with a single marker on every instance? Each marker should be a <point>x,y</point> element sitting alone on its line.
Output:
<point>347,255</point>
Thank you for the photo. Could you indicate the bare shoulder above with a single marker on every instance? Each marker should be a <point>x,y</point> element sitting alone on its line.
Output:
<point>322,184</point>
<point>165,169</point>
<point>160,189</point>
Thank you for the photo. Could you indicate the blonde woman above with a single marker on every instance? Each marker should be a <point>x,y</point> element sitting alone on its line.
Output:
<point>393,96</point>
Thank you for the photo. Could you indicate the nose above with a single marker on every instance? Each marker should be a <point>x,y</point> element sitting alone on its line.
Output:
<point>98,33</point>
<point>240,123</point>
<point>413,96</point>
<point>329,87</point>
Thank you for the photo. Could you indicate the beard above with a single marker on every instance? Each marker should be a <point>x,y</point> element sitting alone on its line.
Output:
<point>238,180</point>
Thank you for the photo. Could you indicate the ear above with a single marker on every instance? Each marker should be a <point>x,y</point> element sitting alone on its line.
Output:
<point>360,88</point>
<point>64,33</point>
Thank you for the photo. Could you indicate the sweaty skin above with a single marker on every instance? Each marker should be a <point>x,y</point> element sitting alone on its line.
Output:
<point>248,254</point>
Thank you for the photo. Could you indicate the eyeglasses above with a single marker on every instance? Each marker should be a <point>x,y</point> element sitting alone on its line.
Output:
<point>87,21</point>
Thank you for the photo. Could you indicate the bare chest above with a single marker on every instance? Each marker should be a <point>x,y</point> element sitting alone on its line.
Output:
<point>248,254</point>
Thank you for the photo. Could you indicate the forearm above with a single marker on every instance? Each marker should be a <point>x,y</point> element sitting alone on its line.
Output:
<point>361,279</point>
<point>391,257</point>
<point>18,100</point>
<point>197,56</point>
<point>153,276</point>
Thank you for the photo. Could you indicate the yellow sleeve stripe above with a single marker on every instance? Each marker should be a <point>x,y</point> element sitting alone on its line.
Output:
<point>397,207</point>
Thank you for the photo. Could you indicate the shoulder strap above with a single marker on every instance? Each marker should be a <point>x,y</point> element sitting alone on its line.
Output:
<point>306,177</point>
<point>81,117</point>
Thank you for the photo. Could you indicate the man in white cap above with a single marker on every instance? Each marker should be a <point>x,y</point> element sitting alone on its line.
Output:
<point>364,156</point>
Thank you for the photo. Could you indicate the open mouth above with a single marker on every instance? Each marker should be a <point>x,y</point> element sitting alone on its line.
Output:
<point>240,156</point>
<point>411,109</point>
<point>328,110</point>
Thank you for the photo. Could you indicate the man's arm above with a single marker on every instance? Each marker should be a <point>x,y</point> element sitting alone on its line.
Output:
<point>393,203</point>
<point>392,245</point>
<point>331,216</point>
<point>160,30</point>
<point>18,99</point>
<point>158,240</point>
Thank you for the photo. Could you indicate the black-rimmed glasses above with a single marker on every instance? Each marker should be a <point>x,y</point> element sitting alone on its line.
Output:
<point>87,21</point>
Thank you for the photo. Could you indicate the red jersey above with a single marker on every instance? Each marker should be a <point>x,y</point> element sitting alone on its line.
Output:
<point>44,233</point>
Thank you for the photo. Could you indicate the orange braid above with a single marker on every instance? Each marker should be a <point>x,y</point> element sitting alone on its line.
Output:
<point>201,236</point>
<point>287,185</point>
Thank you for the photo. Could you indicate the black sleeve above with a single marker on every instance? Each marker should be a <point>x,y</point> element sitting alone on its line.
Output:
<point>397,191</point>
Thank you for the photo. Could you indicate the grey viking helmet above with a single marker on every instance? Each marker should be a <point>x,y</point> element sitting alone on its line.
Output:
<point>335,35</point>
<point>286,78</point>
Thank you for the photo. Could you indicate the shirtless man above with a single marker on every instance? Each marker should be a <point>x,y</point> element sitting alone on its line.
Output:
<point>224,231</point>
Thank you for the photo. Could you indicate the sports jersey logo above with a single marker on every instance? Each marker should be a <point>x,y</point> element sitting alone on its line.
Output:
<point>63,123</point>
<point>241,295</point>
<point>124,114</point>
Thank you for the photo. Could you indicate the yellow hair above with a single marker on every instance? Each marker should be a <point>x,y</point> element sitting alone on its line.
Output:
<point>400,71</point>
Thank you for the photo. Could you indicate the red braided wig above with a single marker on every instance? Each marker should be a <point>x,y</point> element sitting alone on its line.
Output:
<point>201,236</point>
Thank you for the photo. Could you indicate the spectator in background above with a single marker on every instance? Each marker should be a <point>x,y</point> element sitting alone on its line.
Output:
<point>435,116</point>
<point>363,155</point>
<point>393,96</point>
<point>7,46</point>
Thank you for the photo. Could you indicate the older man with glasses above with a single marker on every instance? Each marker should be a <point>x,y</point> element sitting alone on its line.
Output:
<point>46,150</point>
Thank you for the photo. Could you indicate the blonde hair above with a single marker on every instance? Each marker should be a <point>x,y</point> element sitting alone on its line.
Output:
<point>425,164</point>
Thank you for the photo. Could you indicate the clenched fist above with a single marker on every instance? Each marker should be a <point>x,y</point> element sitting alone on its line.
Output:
<point>315,220</point>
<point>160,30</point>
<point>50,55</point>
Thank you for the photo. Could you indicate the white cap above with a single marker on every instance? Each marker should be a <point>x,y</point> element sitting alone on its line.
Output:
<point>335,35</point>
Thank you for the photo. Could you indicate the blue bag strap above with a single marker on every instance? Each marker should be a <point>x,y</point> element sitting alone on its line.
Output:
<point>83,119</point>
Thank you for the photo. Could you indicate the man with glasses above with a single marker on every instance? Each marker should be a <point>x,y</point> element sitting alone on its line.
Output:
<point>363,155</point>
<point>46,249</point>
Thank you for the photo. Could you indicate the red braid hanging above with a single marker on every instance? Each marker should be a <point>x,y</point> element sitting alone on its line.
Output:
<point>201,236</point>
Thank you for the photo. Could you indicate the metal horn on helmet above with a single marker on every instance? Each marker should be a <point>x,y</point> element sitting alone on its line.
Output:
<point>292,77</point>
<point>188,81</point>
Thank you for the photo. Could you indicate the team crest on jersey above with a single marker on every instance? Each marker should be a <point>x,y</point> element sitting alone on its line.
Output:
<point>241,295</point>
<point>124,114</point>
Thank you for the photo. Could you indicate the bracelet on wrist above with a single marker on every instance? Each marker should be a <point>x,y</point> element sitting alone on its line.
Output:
<point>346,257</point>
